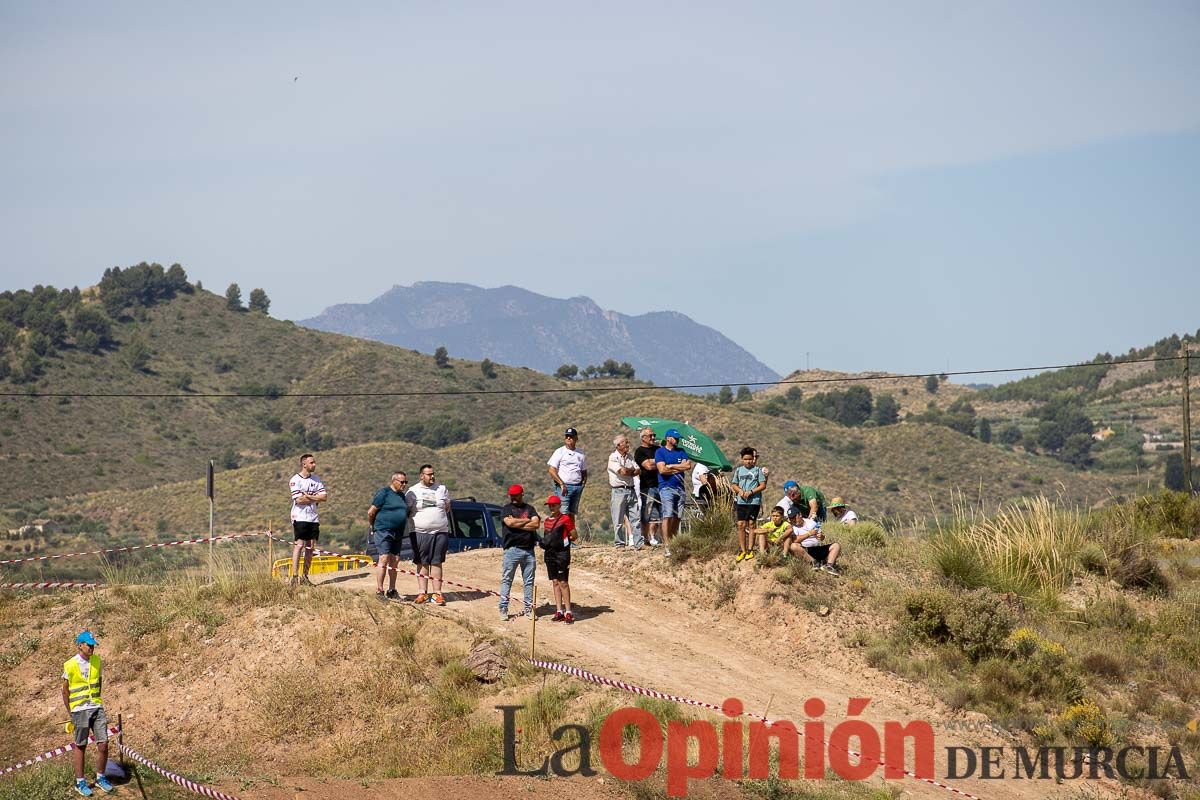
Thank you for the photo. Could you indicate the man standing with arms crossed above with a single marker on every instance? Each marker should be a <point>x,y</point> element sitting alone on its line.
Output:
<point>568,470</point>
<point>623,504</point>
<point>431,534</point>
<point>648,479</point>
<point>81,684</point>
<point>521,523</point>
<point>307,492</point>
<point>388,516</point>
<point>672,464</point>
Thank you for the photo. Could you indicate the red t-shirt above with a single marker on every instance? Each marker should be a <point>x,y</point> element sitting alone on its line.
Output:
<point>561,525</point>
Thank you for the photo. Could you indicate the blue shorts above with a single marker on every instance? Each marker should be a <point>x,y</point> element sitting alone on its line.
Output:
<point>672,502</point>
<point>389,542</point>
<point>570,494</point>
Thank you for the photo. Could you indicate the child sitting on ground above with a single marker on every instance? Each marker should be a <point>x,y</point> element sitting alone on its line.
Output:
<point>556,541</point>
<point>806,537</point>
<point>774,532</point>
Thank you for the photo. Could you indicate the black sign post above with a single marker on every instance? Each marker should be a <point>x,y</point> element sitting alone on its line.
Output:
<point>210,491</point>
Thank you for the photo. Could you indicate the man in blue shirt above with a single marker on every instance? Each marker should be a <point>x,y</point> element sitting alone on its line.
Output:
<point>672,464</point>
<point>388,516</point>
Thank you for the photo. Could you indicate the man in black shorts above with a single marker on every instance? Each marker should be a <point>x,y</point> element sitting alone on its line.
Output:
<point>307,491</point>
<point>430,504</point>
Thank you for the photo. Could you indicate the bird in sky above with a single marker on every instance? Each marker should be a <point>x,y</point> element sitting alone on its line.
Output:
<point>295,79</point>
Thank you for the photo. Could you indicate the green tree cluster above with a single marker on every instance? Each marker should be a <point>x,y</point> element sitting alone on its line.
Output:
<point>259,301</point>
<point>487,368</point>
<point>299,439</point>
<point>440,431</point>
<point>1064,430</point>
<point>141,285</point>
<point>850,407</point>
<point>567,372</point>
<point>609,369</point>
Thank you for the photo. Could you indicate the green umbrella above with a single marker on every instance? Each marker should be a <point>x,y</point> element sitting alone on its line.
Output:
<point>697,444</point>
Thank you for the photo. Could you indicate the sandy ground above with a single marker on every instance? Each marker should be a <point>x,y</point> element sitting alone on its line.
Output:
<point>641,622</point>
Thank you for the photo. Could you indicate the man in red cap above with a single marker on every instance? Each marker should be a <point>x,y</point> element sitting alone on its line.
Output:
<point>521,523</point>
<point>556,541</point>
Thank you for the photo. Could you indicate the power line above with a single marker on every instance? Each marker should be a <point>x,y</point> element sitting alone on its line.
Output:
<point>271,395</point>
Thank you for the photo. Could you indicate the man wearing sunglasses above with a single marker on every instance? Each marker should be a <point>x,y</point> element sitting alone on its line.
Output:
<point>388,516</point>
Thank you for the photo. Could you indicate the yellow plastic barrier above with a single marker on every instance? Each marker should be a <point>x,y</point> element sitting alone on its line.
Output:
<point>283,566</point>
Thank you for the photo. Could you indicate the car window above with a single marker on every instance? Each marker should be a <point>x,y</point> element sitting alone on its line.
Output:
<point>497,522</point>
<point>469,524</point>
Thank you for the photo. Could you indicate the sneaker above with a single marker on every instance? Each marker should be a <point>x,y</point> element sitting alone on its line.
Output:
<point>749,555</point>
<point>438,599</point>
<point>82,787</point>
<point>831,569</point>
<point>816,567</point>
<point>740,557</point>
<point>103,784</point>
<point>667,552</point>
<point>558,617</point>
<point>504,615</point>
<point>568,618</point>
<point>294,581</point>
<point>653,542</point>
<point>392,594</point>
<point>381,595</point>
<point>421,598</point>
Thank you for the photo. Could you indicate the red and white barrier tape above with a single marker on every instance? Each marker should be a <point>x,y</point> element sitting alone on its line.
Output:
<point>635,689</point>
<point>131,547</point>
<point>191,785</point>
<point>50,585</point>
<point>321,552</point>
<point>49,754</point>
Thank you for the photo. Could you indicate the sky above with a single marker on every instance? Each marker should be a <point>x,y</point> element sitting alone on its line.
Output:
<point>909,187</point>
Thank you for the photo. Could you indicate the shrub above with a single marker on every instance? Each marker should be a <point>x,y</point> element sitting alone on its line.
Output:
<point>862,534</point>
<point>487,368</point>
<point>1085,721</point>
<point>977,622</point>
<point>1136,571</point>
<point>1103,664</point>
<point>709,536</point>
<point>441,357</point>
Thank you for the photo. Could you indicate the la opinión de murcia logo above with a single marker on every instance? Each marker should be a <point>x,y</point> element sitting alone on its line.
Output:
<point>853,749</point>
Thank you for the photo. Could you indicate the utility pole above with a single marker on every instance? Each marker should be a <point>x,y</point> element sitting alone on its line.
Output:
<point>1187,419</point>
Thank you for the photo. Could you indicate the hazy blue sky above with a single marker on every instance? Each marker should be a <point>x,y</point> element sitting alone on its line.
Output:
<point>900,186</point>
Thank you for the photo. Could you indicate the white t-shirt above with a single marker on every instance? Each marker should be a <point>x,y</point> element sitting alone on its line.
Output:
<point>699,478</point>
<point>617,461</point>
<point>569,463</point>
<point>806,532</point>
<point>786,504</point>
<point>310,485</point>
<point>85,669</point>
<point>429,503</point>
<point>849,516</point>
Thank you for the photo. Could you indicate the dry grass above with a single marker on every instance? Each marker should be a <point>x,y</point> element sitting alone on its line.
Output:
<point>1031,549</point>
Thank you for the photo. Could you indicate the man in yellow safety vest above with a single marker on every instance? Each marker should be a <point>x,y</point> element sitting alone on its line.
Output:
<point>81,695</point>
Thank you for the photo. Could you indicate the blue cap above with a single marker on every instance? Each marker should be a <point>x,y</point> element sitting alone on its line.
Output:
<point>673,434</point>
<point>86,638</point>
<point>790,485</point>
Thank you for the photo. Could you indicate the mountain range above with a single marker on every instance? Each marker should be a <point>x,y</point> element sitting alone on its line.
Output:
<point>511,325</point>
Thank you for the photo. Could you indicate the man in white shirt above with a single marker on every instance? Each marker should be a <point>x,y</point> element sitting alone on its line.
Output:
<point>622,470</point>
<point>430,502</point>
<point>568,470</point>
<point>307,491</point>
<point>704,484</point>
<point>844,515</point>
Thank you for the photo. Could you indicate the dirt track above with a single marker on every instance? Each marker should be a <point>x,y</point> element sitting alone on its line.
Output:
<point>649,628</point>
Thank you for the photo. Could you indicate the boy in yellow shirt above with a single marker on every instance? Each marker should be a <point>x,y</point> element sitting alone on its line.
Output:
<point>772,530</point>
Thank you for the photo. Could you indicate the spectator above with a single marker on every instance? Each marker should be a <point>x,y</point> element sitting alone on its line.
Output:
<point>431,533</point>
<point>672,464</point>
<point>568,470</point>
<point>81,686</point>
<point>307,491</point>
<point>521,523</point>
<point>841,514</point>
<point>775,531</point>
<point>556,541</point>
<point>388,517</point>
<point>808,498</point>
<point>749,482</point>
<point>704,484</point>
<point>807,538</point>
<point>649,506</point>
<point>623,502</point>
